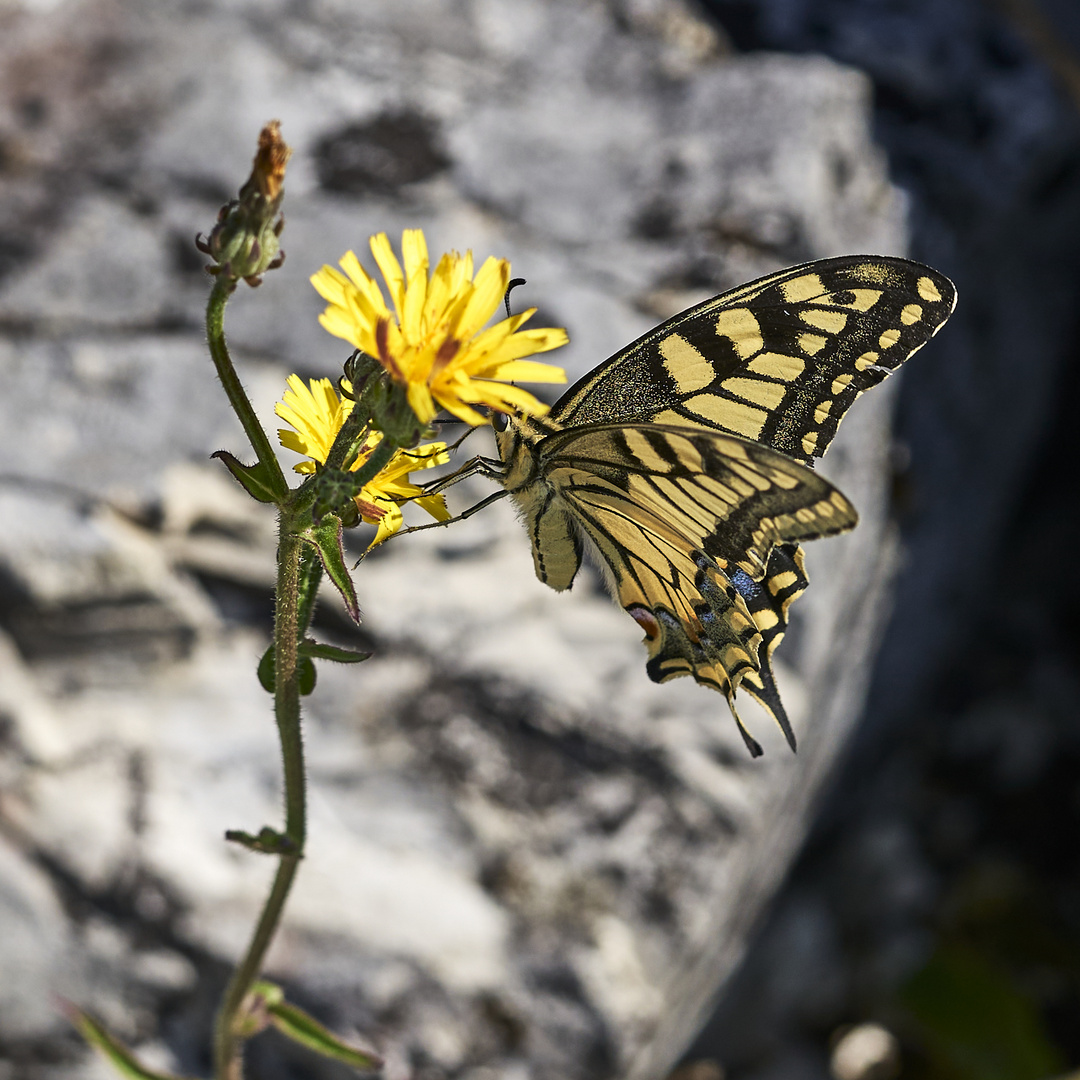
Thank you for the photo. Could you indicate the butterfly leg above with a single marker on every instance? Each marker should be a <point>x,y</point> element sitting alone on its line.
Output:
<point>450,521</point>
<point>484,466</point>
<point>454,445</point>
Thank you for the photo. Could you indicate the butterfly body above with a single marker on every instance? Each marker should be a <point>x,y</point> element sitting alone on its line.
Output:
<point>682,461</point>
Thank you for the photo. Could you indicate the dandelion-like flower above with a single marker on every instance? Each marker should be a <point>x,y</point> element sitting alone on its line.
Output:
<point>316,413</point>
<point>433,342</point>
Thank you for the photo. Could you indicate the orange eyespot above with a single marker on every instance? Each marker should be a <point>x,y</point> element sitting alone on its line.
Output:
<point>646,620</point>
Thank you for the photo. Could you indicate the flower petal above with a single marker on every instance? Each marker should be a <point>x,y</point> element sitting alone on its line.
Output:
<point>365,286</point>
<point>330,284</point>
<point>528,371</point>
<point>433,341</point>
<point>391,270</point>
<point>489,289</point>
<point>420,402</point>
<point>389,523</point>
<point>435,505</point>
<point>415,253</point>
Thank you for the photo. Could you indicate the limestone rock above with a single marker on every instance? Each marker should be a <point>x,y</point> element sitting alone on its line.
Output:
<point>526,859</point>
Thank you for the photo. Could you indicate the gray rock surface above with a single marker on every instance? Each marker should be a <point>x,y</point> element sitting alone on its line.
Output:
<point>526,860</point>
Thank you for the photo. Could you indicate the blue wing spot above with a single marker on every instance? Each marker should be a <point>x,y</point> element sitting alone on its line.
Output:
<point>748,588</point>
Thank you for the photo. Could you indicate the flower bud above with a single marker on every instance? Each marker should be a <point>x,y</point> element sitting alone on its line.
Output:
<point>385,400</point>
<point>392,414</point>
<point>244,242</point>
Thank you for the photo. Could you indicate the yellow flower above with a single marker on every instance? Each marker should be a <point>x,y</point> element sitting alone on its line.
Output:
<point>433,342</point>
<point>316,413</point>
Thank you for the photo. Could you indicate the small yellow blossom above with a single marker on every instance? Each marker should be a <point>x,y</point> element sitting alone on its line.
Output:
<point>434,342</point>
<point>316,414</point>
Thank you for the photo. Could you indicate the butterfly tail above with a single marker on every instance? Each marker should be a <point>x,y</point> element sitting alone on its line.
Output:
<point>768,603</point>
<point>761,686</point>
<point>751,743</point>
<point>723,651</point>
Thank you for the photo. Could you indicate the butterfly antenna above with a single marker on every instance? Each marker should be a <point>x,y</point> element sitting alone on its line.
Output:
<point>514,283</point>
<point>453,446</point>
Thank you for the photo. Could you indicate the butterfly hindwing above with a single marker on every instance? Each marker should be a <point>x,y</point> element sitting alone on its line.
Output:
<point>738,499</point>
<point>768,602</point>
<point>680,518</point>
<point>777,361</point>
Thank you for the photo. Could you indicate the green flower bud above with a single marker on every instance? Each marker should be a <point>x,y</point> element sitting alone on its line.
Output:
<point>383,399</point>
<point>244,243</point>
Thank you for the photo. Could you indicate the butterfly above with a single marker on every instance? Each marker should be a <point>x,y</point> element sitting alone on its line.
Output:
<point>683,461</point>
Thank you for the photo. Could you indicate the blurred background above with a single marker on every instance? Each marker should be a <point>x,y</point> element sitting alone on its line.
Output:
<point>527,861</point>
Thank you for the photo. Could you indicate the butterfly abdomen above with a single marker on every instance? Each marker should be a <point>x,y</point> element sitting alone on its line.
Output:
<point>556,543</point>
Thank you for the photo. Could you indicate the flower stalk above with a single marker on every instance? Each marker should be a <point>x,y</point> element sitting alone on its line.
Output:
<point>244,245</point>
<point>234,388</point>
<point>428,350</point>
<point>228,1039</point>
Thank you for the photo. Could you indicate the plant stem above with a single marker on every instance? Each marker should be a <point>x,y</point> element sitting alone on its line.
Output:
<point>348,438</point>
<point>307,495</point>
<point>219,352</point>
<point>228,1062</point>
<point>380,458</point>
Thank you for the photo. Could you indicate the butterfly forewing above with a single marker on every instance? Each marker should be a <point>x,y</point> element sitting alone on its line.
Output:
<point>778,361</point>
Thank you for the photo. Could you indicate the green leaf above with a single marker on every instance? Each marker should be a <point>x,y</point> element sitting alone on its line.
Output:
<point>326,536</point>
<point>256,479</point>
<point>303,1028</point>
<point>114,1051</point>
<point>310,575</point>
<point>266,670</point>
<point>306,675</point>
<point>975,1023</point>
<point>305,672</point>
<point>267,842</point>
<point>318,651</point>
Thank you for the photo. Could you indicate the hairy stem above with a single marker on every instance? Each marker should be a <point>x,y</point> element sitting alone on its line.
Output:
<point>380,458</point>
<point>349,437</point>
<point>228,1041</point>
<point>234,389</point>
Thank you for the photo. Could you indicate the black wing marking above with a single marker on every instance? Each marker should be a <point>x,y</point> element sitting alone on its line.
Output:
<point>778,361</point>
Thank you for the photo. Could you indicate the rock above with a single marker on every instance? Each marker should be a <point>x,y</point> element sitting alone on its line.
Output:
<point>34,943</point>
<point>525,858</point>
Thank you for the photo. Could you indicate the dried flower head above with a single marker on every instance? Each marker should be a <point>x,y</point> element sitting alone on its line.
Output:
<point>244,242</point>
